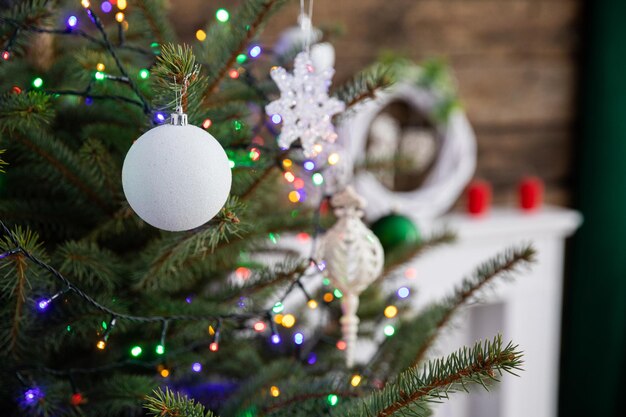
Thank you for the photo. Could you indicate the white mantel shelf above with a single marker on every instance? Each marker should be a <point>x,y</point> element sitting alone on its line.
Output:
<point>526,310</point>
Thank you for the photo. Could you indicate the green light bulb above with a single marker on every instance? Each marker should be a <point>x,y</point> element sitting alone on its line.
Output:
<point>136,351</point>
<point>332,400</point>
<point>160,349</point>
<point>144,74</point>
<point>222,15</point>
<point>389,330</point>
<point>37,82</point>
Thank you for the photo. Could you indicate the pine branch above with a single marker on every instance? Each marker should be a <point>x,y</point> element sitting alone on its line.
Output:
<point>155,14</point>
<point>396,259</point>
<point>228,41</point>
<point>169,404</point>
<point>364,85</point>
<point>506,263</point>
<point>415,388</point>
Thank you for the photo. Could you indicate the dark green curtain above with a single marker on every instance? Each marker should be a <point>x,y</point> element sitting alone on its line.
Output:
<point>593,382</point>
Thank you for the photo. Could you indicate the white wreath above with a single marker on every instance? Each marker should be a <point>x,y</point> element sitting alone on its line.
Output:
<point>446,180</point>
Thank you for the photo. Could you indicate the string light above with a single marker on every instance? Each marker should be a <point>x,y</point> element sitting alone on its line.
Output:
<point>341,345</point>
<point>37,82</point>
<point>389,330</point>
<point>275,338</point>
<point>100,66</point>
<point>243,273</point>
<point>317,178</point>
<point>391,311</point>
<point>278,318</point>
<point>287,163</point>
<point>355,380</point>
<point>119,17</point>
<point>288,321</point>
<point>45,302</point>
<point>106,6</point>
<point>333,158</point>
<point>410,273</point>
<point>214,347</point>
<point>222,15</point>
<point>298,338</point>
<point>200,35</point>
<point>298,183</point>
<point>309,165</point>
<point>255,154</point>
<point>332,399</point>
<point>76,399</point>
<point>207,123</point>
<point>241,58</point>
<point>99,75</point>
<point>144,74</point>
<point>311,359</point>
<point>159,349</point>
<point>274,391</point>
<point>196,367</point>
<point>159,117</point>
<point>276,119</point>
<point>165,372</point>
<point>136,351</point>
<point>328,297</point>
<point>289,176</point>
<point>403,292</point>
<point>72,21</point>
<point>231,163</point>
<point>318,148</point>
<point>294,196</point>
<point>101,344</point>
<point>121,4</point>
<point>303,237</point>
<point>233,73</point>
<point>278,307</point>
<point>255,51</point>
<point>259,326</point>
<point>85,3</point>
<point>6,55</point>
<point>274,238</point>
<point>32,395</point>
<point>312,304</point>
<point>337,293</point>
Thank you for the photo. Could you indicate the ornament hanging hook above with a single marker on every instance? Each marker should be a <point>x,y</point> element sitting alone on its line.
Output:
<point>179,117</point>
<point>306,24</point>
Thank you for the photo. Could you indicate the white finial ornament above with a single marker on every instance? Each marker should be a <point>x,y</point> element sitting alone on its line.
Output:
<point>304,105</point>
<point>354,259</point>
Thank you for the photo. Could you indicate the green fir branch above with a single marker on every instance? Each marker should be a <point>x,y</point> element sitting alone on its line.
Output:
<point>169,404</point>
<point>364,85</point>
<point>226,42</point>
<point>415,388</point>
<point>25,111</point>
<point>155,15</point>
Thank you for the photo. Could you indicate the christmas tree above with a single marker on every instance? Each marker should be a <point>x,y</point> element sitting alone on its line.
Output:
<point>105,315</point>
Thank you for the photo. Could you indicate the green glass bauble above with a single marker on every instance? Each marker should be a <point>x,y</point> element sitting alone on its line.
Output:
<point>395,232</point>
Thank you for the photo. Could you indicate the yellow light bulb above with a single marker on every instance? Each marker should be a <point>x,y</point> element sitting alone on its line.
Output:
<point>356,380</point>
<point>274,391</point>
<point>121,4</point>
<point>288,321</point>
<point>328,297</point>
<point>101,344</point>
<point>278,318</point>
<point>333,158</point>
<point>165,373</point>
<point>211,330</point>
<point>200,35</point>
<point>100,66</point>
<point>119,16</point>
<point>85,3</point>
<point>287,163</point>
<point>294,196</point>
<point>312,304</point>
<point>317,148</point>
<point>391,311</point>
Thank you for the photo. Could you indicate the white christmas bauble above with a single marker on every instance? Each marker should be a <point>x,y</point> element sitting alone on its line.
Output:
<point>176,177</point>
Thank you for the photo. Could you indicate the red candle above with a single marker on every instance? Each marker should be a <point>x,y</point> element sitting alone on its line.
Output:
<point>530,193</point>
<point>478,197</point>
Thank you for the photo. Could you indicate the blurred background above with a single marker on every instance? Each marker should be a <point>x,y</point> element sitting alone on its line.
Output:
<point>542,83</point>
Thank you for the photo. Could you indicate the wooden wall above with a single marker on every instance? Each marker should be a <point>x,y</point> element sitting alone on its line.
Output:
<point>515,61</point>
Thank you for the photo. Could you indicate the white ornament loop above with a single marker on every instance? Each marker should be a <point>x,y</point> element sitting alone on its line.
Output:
<point>354,259</point>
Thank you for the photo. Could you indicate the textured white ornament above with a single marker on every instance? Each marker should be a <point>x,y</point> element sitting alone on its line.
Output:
<point>176,177</point>
<point>304,104</point>
<point>354,259</point>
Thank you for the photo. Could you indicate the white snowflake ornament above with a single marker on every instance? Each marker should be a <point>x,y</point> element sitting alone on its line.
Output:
<point>304,105</point>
